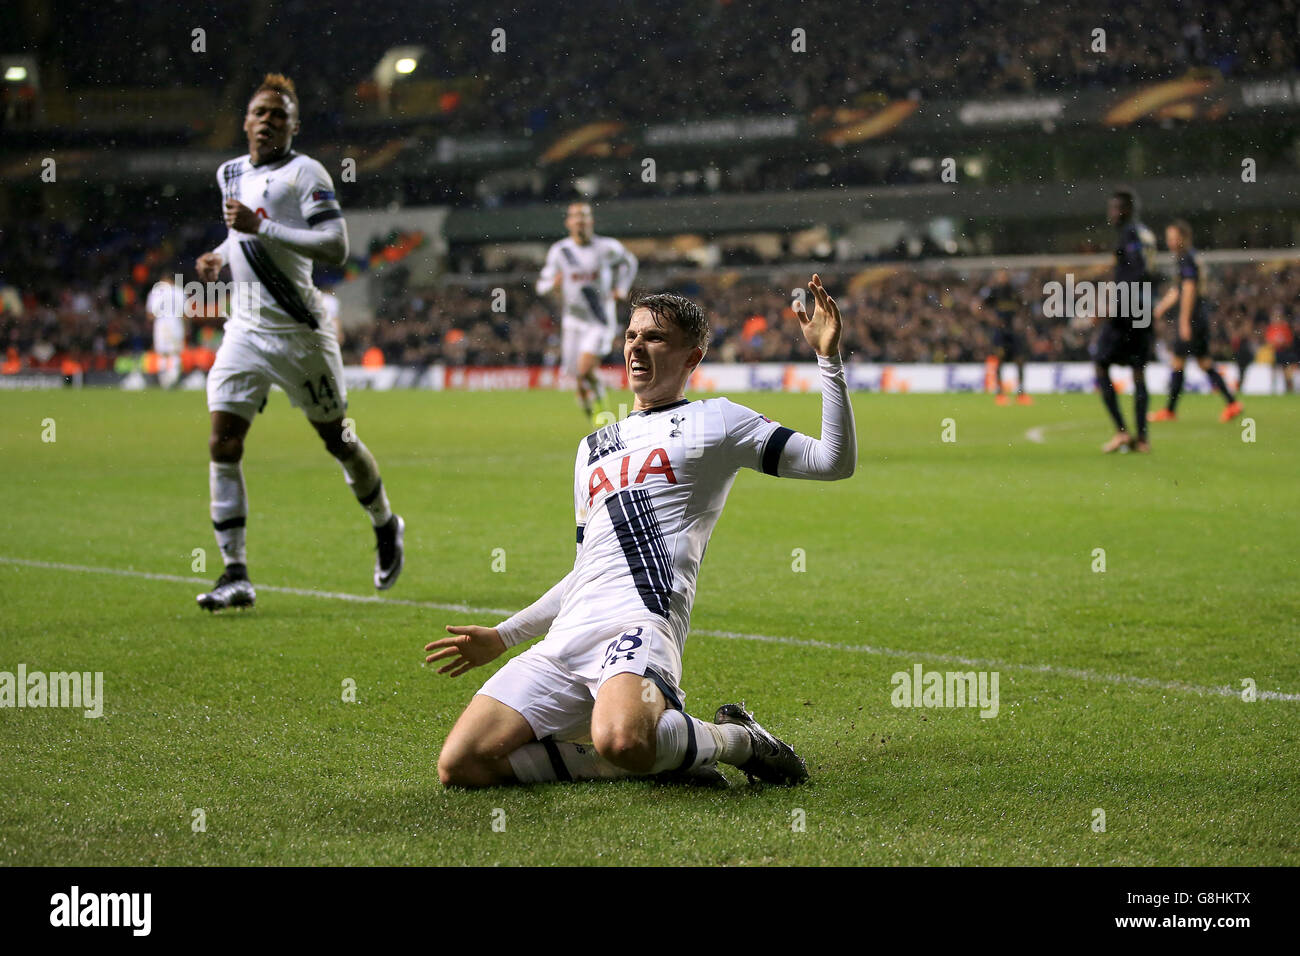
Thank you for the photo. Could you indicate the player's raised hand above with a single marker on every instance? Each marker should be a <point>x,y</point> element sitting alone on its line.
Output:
<point>822,329</point>
<point>471,646</point>
<point>239,217</point>
<point>208,266</point>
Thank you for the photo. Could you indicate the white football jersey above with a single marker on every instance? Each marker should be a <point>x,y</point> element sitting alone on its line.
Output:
<point>588,277</point>
<point>648,491</point>
<point>296,191</point>
<point>166,301</point>
<point>329,304</point>
<point>166,306</point>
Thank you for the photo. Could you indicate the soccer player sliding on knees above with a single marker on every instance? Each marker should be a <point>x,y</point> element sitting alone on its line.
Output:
<point>600,695</point>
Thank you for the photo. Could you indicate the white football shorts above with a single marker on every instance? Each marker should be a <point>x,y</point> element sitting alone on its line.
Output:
<point>557,701</point>
<point>306,364</point>
<point>581,337</point>
<point>168,336</point>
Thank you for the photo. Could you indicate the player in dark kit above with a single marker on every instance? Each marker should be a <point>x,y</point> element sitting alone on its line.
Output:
<point>1192,329</point>
<point>1125,337</point>
<point>1008,345</point>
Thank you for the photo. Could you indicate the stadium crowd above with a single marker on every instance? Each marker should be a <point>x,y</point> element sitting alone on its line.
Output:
<point>559,70</point>
<point>892,313</point>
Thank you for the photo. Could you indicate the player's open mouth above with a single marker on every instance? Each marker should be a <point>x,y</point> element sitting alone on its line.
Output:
<point>638,370</point>
<point>263,135</point>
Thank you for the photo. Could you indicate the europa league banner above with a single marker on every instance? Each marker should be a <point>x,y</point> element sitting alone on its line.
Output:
<point>1201,95</point>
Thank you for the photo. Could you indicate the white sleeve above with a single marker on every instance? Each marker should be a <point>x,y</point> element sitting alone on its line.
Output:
<point>626,266</point>
<point>326,235</point>
<point>534,620</point>
<point>835,455</point>
<point>327,241</point>
<point>751,440</point>
<point>550,272</point>
<point>221,250</point>
<point>316,199</point>
<point>579,497</point>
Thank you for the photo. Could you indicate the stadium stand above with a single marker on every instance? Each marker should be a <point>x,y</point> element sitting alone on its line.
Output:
<point>980,46</point>
<point>894,312</point>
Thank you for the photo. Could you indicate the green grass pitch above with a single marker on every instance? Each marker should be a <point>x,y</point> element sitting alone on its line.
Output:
<point>1117,688</point>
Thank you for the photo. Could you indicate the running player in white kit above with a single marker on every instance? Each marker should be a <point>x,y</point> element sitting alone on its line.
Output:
<point>591,272</point>
<point>282,215</point>
<point>166,306</point>
<point>647,493</point>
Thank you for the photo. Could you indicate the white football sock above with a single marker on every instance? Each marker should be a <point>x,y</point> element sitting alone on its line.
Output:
<point>362,473</point>
<point>684,743</point>
<point>552,760</point>
<point>170,371</point>
<point>229,509</point>
<point>735,746</point>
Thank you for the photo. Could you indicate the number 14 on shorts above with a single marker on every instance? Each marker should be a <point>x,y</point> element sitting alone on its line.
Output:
<point>323,394</point>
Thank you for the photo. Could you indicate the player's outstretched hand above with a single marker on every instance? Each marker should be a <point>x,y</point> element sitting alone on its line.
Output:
<point>239,217</point>
<point>822,330</point>
<point>208,266</point>
<point>472,646</point>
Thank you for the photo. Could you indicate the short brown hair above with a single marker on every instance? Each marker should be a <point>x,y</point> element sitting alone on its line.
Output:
<point>1184,229</point>
<point>680,311</point>
<point>278,83</point>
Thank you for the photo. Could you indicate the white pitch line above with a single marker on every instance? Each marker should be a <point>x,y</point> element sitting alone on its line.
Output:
<point>1037,434</point>
<point>1076,673</point>
<point>300,592</point>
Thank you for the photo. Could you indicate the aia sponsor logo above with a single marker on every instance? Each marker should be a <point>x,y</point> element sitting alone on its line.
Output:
<point>655,463</point>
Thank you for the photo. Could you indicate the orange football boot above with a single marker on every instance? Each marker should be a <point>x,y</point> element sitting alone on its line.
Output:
<point>1231,412</point>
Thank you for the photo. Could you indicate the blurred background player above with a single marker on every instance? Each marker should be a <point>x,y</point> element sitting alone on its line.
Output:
<point>1125,339</point>
<point>591,272</point>
<point>166,306</point>
<point>277,332</point>
<point>1281,338</point>
<point>1003,299</point>
<point>1191,324</point>
<point>1243,348</point>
